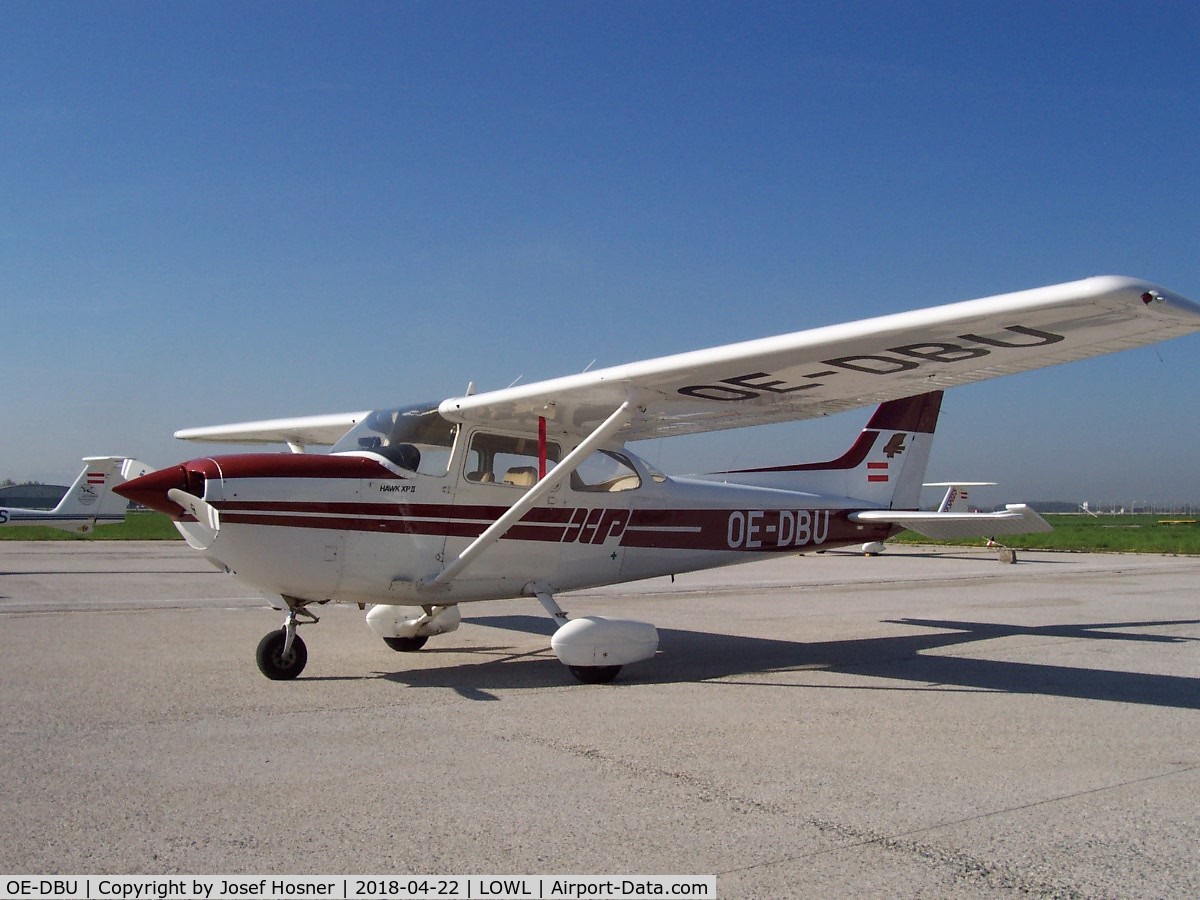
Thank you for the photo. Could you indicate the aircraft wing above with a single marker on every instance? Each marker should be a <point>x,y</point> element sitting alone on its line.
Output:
<point>834,368</point>
<point>1015,518</point>
<point>296,432</point>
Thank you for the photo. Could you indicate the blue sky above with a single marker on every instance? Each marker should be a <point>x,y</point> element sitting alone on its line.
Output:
<point>226,211</point>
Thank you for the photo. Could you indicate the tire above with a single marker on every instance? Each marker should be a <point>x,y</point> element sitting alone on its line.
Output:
<point>406,644</point>
<point>271,661</point>
<point>595,674</point>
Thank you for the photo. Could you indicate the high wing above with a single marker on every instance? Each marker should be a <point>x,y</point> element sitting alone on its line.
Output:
<point>834,368</point>
<point>295,432</point>
<point>806,374</point>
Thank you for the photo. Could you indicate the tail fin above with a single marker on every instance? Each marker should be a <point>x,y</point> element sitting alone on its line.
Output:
<point>884,467</point>
<point>957,497</point>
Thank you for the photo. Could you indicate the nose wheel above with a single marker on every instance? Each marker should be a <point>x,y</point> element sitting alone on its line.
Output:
<point>276,663</point>
<point>281,655</point>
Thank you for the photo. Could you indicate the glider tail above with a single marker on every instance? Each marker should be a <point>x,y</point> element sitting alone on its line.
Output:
<point>89,501</point>
<point>957,498</point>
<point>884,467</point>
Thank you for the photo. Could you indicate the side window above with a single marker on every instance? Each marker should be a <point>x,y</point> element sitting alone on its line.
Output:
<point>605,472</point>
<point>499,459</point>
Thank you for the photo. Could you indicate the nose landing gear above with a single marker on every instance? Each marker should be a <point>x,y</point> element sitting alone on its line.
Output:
<point>281,655</point>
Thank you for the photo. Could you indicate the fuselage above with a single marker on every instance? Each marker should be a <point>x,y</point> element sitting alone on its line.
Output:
<point>356,527</point>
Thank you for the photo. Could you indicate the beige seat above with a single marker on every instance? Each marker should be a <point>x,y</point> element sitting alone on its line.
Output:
<point>521,476</point>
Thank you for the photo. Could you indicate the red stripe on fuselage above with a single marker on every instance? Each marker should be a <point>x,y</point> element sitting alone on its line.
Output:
<point>442,527</point>
<point>770,530</point>
<point>418,510</point>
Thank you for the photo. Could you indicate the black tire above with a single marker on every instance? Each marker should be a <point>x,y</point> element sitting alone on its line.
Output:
<point>271,661</point>
<point>595,674</point>
<point>406,644</point>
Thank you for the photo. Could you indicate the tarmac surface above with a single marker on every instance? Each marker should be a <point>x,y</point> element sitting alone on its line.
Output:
<point>917,724</point>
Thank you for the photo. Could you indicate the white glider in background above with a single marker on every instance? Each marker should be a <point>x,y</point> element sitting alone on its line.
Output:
<point>531,491</point>
<point>89,502</point>
<point>957,498</point>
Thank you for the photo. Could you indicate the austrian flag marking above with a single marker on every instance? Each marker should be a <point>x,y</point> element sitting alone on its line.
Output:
<point>95,478</point>
<point>877,472</point>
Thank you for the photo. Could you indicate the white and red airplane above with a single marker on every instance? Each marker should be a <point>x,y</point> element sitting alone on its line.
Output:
<point>530,491</point>
<point>89,502</point>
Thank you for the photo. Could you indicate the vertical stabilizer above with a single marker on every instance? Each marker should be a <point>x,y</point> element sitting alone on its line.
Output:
<point>884,467</point>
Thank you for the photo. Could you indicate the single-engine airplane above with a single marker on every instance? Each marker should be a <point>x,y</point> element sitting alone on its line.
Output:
<point>531,491</point>
<point>89,502</point>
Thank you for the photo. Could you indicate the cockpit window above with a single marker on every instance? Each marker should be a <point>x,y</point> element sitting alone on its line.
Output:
<point>416,438</point>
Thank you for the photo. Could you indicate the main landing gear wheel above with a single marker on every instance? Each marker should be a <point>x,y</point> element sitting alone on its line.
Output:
<point>406,644</point>
<point>271,659</point>
<point>595,674</point>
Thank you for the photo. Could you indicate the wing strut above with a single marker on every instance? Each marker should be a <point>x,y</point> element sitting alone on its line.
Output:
<point>569,464</point>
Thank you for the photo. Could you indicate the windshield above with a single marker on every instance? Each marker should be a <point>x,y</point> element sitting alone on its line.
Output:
<point>416,438</point>
<point>651,469</point>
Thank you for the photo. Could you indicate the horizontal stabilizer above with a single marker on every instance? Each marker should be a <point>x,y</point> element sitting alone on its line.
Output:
<point>1015,518</point>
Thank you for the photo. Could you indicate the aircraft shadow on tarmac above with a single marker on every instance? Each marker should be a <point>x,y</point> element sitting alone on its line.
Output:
<point>119,573</point>
<point>910,661</point>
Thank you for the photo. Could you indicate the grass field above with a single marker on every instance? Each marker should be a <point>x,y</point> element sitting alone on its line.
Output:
<point>138,526</point>
<point>1112,534</point>
<point>1123,534</point>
